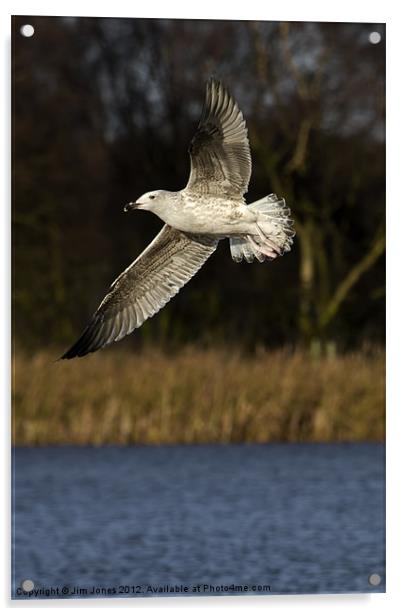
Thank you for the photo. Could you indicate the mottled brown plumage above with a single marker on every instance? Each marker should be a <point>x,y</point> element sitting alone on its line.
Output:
<point>220,151</point>
<point>144,288</point>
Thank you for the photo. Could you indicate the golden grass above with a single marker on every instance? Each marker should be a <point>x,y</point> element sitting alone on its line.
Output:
<point>197,396</point>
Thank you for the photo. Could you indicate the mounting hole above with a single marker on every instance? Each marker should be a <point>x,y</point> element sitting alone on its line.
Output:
<point>374,38</point>
<point>374,579</point>
<point>27,30</point>
<point>28,585</point>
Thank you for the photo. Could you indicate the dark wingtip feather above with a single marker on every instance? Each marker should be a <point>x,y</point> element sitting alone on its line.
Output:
<point>85,344</point>
<point>77,350</point>
<point>215,81</point>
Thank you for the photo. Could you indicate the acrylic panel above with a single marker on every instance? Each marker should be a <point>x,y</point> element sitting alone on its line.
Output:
<point>232,444</point>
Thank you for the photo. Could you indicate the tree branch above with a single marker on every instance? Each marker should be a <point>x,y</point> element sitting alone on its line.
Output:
<point>298,159</point>
<point>351,278</point>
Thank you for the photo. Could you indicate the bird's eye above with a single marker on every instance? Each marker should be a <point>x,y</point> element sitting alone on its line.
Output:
<point>152,196</point>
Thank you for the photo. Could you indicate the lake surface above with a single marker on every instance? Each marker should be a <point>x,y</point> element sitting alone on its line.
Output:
<point>305,518</point>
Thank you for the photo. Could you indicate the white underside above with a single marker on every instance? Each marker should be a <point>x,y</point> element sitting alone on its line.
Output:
<point>256,231</point>
<point>218,217</point>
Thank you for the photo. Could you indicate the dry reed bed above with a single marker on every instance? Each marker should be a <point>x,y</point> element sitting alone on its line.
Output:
<point>197,396</point>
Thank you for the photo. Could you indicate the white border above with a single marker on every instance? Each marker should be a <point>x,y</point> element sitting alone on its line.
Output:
<point>290,10</point>
<point>308,10</point>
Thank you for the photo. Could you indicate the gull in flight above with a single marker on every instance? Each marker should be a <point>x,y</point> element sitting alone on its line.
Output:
<point>210,208</point>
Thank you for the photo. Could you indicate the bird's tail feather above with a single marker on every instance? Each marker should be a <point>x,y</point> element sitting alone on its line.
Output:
<point>274,232</point>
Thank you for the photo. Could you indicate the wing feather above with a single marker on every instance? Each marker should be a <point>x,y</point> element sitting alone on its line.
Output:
<point>219,151</point>
<point>165,266</point>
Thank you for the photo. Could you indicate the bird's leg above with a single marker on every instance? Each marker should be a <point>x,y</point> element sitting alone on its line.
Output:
<point>268,241</point>
<point>264,248</point>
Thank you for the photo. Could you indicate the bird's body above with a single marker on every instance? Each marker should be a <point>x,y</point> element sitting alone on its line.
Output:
<point>210,208</point>
<point>217,216</point>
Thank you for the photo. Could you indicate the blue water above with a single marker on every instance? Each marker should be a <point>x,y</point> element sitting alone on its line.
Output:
<point>305,518</point>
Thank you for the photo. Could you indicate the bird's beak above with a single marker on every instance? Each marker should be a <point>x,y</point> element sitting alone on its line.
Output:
<point>131,206</point>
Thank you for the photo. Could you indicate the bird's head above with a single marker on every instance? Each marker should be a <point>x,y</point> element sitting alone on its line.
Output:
<point>150,201</point>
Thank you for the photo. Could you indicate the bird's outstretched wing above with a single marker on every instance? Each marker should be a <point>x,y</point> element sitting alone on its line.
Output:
<point>164,267</point>
<point>220,151</point>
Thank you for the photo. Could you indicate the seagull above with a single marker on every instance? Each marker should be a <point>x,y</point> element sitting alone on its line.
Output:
<point>210,208</point>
